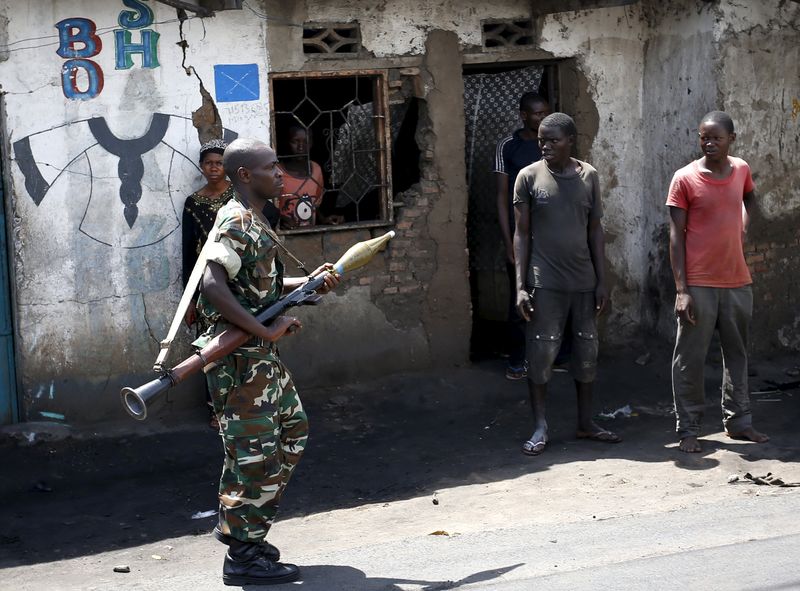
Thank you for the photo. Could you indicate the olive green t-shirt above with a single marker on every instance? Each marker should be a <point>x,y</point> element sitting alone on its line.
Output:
<point>561,206</point>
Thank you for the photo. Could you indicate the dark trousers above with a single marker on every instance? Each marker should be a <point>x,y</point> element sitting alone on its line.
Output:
<point>727,310</point>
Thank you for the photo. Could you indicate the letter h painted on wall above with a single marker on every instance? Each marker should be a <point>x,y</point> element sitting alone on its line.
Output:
<point>140,17</point>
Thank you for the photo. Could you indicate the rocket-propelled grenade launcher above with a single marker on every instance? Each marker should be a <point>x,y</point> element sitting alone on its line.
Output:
<point>135,400</point>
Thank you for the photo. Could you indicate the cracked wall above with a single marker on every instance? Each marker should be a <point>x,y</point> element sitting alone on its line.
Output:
<point>94,297</point>
<point>758,73</point>
<point>97,187</point>
<point>743,58</point>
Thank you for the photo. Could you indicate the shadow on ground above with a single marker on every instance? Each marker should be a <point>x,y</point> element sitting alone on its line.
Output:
<point>397,438</point>
<point>326,577</point>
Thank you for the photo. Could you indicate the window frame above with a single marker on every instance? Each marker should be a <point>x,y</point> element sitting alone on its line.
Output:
<point>380,93</point>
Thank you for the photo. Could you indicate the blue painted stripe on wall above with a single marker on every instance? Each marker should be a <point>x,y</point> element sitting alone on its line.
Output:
<point>8,390</point>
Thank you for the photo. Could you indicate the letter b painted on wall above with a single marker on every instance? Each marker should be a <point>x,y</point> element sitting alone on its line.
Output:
<point>73,31</point>
<point>78,40</point>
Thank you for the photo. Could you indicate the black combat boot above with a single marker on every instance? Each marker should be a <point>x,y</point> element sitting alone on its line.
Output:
<point>245,564</point>
<point>270,551</point>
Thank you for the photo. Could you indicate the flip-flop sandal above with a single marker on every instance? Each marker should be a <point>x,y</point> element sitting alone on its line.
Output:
<point>604,436</point>
<point>534,448</point>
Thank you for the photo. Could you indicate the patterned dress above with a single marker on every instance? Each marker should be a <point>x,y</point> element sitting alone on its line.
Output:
<point>199,214</point>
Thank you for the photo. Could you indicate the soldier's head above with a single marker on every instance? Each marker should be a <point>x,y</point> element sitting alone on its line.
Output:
<point>253,169</point>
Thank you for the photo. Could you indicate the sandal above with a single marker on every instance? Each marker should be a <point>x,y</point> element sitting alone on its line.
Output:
<point>534,448</point>
<point>602,435</point>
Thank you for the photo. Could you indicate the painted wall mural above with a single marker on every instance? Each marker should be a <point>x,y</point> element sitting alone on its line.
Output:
<point>79,41</point>
<point>124,210</point>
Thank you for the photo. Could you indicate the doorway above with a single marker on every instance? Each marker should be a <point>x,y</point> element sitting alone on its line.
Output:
<point>491,109</point>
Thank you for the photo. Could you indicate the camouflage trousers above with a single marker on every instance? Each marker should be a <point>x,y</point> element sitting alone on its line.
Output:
<point>264,431</point>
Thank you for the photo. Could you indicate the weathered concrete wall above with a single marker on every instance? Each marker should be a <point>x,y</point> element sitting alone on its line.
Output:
<point>402,28</point>
<point>679,88</point>
<point>96,284</point>
<point>758,75</point>
<point>608,45</point>
<point>96,281</point>
<point>742,58</point>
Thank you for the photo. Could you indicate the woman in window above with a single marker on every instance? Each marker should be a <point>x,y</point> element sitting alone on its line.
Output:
<point>303,184</point>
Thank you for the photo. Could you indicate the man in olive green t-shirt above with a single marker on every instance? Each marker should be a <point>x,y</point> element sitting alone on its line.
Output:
<point>559,257</point>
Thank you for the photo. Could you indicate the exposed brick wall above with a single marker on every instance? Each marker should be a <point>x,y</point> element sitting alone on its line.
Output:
<point>775,267</point>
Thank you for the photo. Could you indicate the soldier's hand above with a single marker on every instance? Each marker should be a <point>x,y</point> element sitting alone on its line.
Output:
<point>332,278</point>
<point>282,326</point>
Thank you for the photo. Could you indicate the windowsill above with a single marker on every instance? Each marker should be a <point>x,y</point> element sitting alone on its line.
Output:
<point>337,228</point>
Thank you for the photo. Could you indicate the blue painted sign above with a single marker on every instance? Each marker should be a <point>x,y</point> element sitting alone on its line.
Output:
<point>236,82</point>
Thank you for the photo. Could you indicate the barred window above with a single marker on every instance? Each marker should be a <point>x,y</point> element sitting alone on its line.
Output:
<point>333,136</point>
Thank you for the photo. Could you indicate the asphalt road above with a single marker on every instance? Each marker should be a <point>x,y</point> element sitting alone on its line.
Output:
<point>360,513</point>
<point>743,544</point>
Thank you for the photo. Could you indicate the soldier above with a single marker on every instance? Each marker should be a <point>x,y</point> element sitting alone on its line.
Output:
<point>263,425</point>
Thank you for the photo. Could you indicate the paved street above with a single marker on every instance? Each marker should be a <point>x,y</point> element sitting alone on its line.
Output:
<point>416,483</point>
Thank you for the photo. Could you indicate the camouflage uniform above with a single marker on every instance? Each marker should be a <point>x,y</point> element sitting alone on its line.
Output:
<point>263,426</point>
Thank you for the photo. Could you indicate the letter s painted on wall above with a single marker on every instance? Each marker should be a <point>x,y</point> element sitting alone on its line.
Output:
<point>140,17</point>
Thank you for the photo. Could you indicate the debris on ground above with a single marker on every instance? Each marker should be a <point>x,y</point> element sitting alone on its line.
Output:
<point>783,386</point>
<point>42,486</point>
<point>793,372</point>
<point>643,359</point>
<point>662,409</point>
<point>338,400</point>
<point>768,480</point>
<point>204,514</point>
<point>435,501</point>
<point>439,532</point>
<point>122,568</point>
<point>623,411</point>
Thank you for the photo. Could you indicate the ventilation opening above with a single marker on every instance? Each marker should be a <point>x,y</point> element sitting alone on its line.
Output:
<point>507,33</point>
<point>331,39</point>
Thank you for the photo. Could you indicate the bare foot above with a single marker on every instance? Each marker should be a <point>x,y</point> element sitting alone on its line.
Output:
<point>749,434</point>
<point>690,445</point>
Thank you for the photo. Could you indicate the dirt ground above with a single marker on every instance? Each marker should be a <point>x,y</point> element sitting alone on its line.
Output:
<point>398,456</point>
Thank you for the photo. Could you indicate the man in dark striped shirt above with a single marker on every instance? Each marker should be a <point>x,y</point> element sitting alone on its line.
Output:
<point>514,153</point>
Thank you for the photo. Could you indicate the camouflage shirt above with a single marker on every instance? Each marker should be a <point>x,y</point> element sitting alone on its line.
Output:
<point>246,248</point>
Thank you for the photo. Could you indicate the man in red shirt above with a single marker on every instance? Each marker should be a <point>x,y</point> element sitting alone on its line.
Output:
<point>709,202</point>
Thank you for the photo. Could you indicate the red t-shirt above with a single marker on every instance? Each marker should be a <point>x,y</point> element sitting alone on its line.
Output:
<point>714,249</point>
<point>301,197</point>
